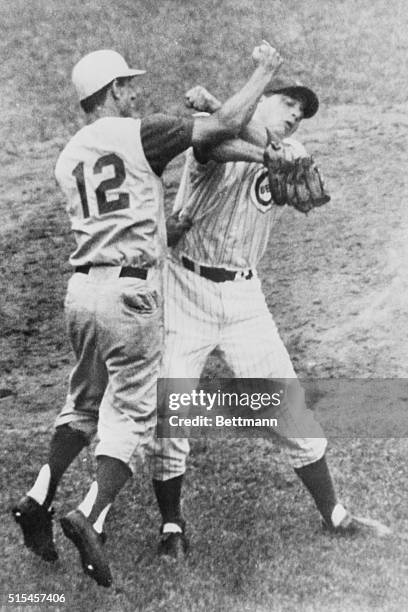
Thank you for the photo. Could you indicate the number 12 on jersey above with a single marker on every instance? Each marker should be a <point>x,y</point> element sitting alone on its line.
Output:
<point>105,206</point>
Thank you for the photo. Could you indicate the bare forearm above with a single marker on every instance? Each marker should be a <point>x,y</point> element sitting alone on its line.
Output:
<point>238,110</point>
<point>236,150</point>
<point>228,121</point>
<point>254,133</point>
<point>200,99</point>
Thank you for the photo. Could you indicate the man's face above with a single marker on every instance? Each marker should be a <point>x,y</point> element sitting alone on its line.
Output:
<point>280,113</point>
<point>128,93</point>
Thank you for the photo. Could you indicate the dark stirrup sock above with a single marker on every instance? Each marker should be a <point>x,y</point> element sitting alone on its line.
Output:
<point>65,445</point>
<point>317,479</point>
<point>168,495</point>
<point>111,475</point>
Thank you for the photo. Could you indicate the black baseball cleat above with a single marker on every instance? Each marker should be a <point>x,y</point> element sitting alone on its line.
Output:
<point>352,526</point>
<point>36,524</point>
<point>174,545</point>
<point>90,546</point>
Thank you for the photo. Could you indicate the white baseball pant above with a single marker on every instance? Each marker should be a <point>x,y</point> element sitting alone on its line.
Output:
<point>116,329</point>
<point>200,315</point>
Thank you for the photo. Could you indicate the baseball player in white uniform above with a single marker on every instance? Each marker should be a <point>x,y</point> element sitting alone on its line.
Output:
<point>110,174</point>
<point>214,299</point>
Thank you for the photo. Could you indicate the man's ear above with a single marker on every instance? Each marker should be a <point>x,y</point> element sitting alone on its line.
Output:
<point>115,89</point>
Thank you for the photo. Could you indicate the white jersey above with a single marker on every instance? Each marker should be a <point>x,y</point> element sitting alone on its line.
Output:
<point>114,199</point>
<point>232,210</point>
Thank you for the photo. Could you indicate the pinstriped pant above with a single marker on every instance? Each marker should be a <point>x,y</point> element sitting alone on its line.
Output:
<point>201,315</point>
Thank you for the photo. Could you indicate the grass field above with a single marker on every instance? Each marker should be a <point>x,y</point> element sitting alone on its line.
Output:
<point>335,282</point>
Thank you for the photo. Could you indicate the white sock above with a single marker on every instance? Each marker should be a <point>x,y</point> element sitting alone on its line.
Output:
<point>171,528</point>
<point>87,504</point>
<point>40,489</point>
<point>338,515</point>
<point>98,524</point>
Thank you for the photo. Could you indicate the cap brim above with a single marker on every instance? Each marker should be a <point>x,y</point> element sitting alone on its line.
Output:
<point>133,72</point>
<point>308,97</point>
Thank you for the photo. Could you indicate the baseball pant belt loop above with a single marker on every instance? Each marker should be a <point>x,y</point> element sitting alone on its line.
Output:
<point>217,275</point>
<point>127,271</point>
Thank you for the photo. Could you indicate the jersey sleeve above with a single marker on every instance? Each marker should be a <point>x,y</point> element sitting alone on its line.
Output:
<point>163,138</point>
<point>201,151</point>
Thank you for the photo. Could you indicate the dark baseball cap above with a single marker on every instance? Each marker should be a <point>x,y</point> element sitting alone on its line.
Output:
<point>296,90</point>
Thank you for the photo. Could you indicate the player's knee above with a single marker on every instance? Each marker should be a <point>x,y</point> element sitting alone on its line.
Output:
<point>165,469</point>
<point>72,434</point>
<point>307,451</point>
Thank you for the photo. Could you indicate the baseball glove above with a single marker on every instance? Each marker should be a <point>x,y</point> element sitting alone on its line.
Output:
<point>296,183</point>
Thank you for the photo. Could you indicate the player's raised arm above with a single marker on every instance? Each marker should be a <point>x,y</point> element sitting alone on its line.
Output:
<point>202,100</point>
<point>234,149</point>
<point>229,119</point>
<point>164,136</point>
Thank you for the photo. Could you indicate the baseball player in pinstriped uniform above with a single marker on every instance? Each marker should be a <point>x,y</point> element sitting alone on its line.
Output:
<point>214,299</point>
<point>110,174</point>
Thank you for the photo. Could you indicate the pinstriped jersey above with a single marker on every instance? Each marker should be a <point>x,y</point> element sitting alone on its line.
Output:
<point>114,199</point>
<point>232,210</point>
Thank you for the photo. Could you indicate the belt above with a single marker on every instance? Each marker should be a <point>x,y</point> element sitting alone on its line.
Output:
<point>217,275</point>
<point>125,271</point>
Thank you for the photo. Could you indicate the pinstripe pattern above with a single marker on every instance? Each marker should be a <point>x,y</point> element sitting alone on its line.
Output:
<point>233,216</point>
<point>201,315</point>
<point>232,211</point>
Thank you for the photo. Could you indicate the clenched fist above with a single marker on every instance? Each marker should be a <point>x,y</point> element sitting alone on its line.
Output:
<point>267,56</point>
<point>201,100</point>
